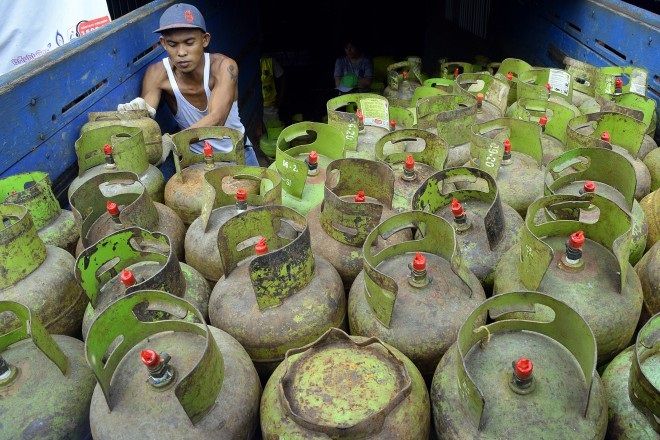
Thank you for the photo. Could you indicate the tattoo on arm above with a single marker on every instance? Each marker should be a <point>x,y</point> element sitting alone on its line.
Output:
<point>232,73</point>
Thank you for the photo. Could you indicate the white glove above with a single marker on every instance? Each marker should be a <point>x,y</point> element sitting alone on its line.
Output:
<point>137,104</point>
<point>168,146</point>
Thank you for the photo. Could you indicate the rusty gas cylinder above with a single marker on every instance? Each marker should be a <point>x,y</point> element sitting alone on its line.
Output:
<point>55,226</point>
<point>583,77</point>
<point>583,263</point>
<point>134,259</point>
<point>553,119</point>
<point>113,201</point>
<point>169,378</point>
<point>485,227</point>
<point>453,69</point>
<point>581,170</point>
<point>651,207</point>
<point>613,131</point>
<point>275,295</point>
<point>45,384</point>
<point>201,243</point>
<point>362,127</point>
<point>450,118</point>
<point>510,150</point>
<point>303,151</point>
<point>491,94</point>
<point>652,162</point>
<point>37,275</point>
<point>131,118</point>
<point>358,196</point>
<point>632,385</point>
<point>648,270</point>
<point>520,379</point>
<point>546,84</point>
<point>345,387</point>
<point>116,148</point>
<point>413,155</point>
<point>402,80</point>
<point>183,189</point>
<point>510,70</point>
<point>414,295</point>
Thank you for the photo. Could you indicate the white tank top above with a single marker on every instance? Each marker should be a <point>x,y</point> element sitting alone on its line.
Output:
<point>187,114</point>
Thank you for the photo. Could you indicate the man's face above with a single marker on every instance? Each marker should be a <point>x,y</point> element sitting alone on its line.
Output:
<point>351,51</point>
<point>185,47</point>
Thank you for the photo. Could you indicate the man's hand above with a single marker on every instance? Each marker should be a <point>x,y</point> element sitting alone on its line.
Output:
<point>137,104</point>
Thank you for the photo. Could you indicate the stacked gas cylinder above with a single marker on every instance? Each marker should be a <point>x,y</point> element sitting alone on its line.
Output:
<point>471,255</point>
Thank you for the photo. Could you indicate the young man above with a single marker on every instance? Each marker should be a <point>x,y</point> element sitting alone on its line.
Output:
<point>354,71</point>
<point>200,88</point>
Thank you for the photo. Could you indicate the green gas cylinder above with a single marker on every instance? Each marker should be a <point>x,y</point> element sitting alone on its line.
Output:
<point>183,189</point>
<point>276,294</point>
<point>110,202</point>
<point>648,270</point>
<point>219,205</point>
<point>303,151</point>
<point>55,226</point>
<point>413,155</point>
<point>131,118</point>
<point>134,259</point>
<point>652,162</point>
<point>651,207</point>
<point>485,227</point>
<point>553,118</point>
<point>510,150</point>
<point>358,196</point>
<point>510,70</point>
<point>614,131</point>
<point>414,295</point>
<point>632,385</point>
<point>116,148</point>
<point>583,77</point>
<point>169,378</point>
<point>588,170</point>
<point>37,275</point>
<point>345,387</point>
<point>520,379</point>
<point>45,384</point>
<point>402,80</point>
<point>545,83</point>
<point>490,92</point>
<point>581,261</point>
<point>452,69</point>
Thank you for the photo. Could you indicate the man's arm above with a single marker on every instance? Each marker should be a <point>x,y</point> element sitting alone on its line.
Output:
<point>151,90</point>
<point>225,73</point>
<point>365,81</point>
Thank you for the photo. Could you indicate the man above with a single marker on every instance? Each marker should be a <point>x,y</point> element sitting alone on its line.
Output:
<point>354,70</point>
<point>200,88</point>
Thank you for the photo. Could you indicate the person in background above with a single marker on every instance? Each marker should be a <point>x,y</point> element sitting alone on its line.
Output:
<point>200,88</point>
<point>271,86</point>
<point>353,72</point>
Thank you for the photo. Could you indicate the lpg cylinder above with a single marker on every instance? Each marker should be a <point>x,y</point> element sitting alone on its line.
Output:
<point>113,201</point>
<point>134,259</point>
<point>510,69</point>
<point>510,150</point>
<point>402,80</point>
<point>414,155</point>
<point>345,387</point>
<point>54,225</point>
<point>485,227</point>
<point>614,131</point>
<point>652,162</point>
<point>520,379</point>
<point>648,270</point>
<point>414,295</point>
<point>446,86</point>
<point>170,378</point>
<point>45,384</point>
<point>116,148</point>
<point>553,118</point>
<point>651,207</point>
<point>201,243</point>
<point>452,69</point>
<point>583,77</point>
<point>632,386</point>
<point>131,118</point>
<point>450,118</point>
<point>632,79</point>
<point>583,263</point>
<point>277,299</point>
<point>37,275</point>
<point>546,84</point>
<point>587,170</point>
<point>183,188</point>
<point>490,92</point>
<point>363,126</point>
<point>303,151</point>
<point>358,196</point>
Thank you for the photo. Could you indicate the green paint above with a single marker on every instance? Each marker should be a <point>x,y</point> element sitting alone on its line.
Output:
<point>644,383</point>
<point>373,107</point>
<point>583,75</point>
<point>451,115</point>
<point>558,114</point>
<point>128,150</point>
<point>434,153</point>
<point>184,157</point>
<point>636,79</point>
<point>532,84</point>
<point>21,249</point>
<point>494,89</point>
<point>625,131</point>
<point>33,191</point>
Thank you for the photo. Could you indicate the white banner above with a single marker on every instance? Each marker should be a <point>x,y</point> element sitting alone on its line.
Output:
<point>32,28</point>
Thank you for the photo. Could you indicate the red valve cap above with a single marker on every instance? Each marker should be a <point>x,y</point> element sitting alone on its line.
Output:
<point>543,120</point>
<point>208,149</point>
<point>107,149</point>
<point>605,136</point>
<point>507,146</point>
<point>359,196</point>
<point>313,158</point>
<point>127,278</point>
<point>392,123</point>
<point>261,247</point>
<point>480,98</point>
<point>410,162</point>
<point>618,83</point>
<point>509,76</point>
<point>548,87</point>
<point>456,208</point>
<point>112,208</point>
<point>419,262</point>
<point>150,358</point>
<point>576,240</point>
<point>589,186</point>
<point>241,195</point>
<point>523,368</point>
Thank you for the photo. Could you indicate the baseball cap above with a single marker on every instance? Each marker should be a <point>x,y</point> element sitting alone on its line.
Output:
<point>181,15</point>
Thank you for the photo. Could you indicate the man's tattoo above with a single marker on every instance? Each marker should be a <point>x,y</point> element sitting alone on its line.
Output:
<point>232,73</point>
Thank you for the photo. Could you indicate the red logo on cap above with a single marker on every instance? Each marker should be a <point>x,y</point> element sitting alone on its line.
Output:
<point>188,15</point>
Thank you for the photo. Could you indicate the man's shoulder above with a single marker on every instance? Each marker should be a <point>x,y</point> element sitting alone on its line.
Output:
<point>218,59</point>
<point>156,69</point>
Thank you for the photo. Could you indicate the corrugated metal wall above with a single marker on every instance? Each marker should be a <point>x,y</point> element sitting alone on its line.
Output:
<point>469,15</point>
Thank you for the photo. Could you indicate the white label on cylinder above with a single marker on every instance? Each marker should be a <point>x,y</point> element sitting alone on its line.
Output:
<point>559,81</point>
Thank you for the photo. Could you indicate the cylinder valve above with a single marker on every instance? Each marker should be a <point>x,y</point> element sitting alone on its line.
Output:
<point>360,118</point>
<point>261,247</point>
<point>113,210</point>
<point>460,217</point>
<point>312,163</point>
<point>618,85</point>
<point>543,121</point>
<point>109,160</point>
<point>409,173</point>
<point>418,276</point>
<point>480,99</point>
<point>241,199</point>
<point>522,379</point>
<point>208,155</point>
<point>359,197</point>
<point>506,157</point>
<point>161,372</point>
<point>392,125</point>
<point>573,256</point>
